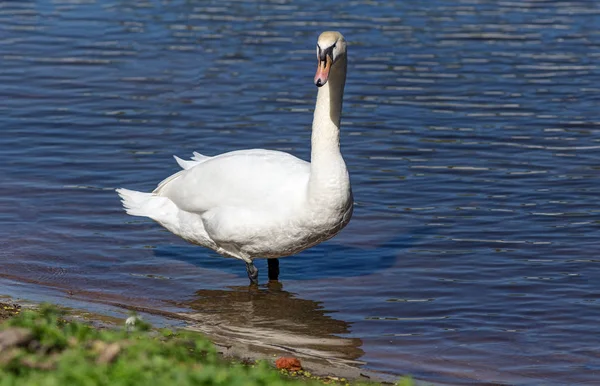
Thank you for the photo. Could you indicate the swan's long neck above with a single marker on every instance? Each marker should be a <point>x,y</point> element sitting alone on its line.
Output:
<point>329,176</point>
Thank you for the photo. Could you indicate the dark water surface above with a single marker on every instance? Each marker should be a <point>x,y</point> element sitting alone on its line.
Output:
<point>471,130</point>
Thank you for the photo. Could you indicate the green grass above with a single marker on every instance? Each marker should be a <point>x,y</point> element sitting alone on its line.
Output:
<point>57,351</point>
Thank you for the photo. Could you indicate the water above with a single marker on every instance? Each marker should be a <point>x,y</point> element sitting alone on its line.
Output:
<point>471,130</point>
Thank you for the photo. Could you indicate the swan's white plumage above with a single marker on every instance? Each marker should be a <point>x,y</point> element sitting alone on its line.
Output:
<point>261,203</point>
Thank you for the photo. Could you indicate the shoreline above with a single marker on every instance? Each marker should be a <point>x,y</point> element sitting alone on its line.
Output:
<point>323,369</point>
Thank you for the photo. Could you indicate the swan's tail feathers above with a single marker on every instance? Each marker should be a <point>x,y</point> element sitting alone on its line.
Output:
<point>158,208</point>
<point>135,203</point>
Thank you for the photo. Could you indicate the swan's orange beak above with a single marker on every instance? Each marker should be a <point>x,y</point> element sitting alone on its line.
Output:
<point>323,71</point>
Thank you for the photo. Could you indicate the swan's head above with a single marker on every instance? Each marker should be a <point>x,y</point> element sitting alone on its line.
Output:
<point>331,47</point>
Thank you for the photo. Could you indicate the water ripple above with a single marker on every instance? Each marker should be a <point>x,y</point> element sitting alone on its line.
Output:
<point>471,131</point>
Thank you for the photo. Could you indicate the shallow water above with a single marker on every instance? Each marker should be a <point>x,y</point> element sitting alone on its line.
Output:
<point>471,130</point>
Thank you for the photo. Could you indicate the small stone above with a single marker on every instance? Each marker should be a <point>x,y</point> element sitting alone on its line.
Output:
<point>98,346</point>
<point>14,337</point>
<point>109,353</point>
<point>288,363</point>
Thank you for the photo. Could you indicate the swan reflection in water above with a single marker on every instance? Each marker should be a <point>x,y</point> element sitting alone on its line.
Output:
<point>267,318</point>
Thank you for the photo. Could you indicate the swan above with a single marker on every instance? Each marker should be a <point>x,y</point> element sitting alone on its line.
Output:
<point>258,203</point>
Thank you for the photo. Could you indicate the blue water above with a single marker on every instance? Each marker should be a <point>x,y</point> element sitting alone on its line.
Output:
<point>471,130</point>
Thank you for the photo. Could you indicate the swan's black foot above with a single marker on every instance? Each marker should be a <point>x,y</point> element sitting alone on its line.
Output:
<point>273,269</point>
<point>252,273</point>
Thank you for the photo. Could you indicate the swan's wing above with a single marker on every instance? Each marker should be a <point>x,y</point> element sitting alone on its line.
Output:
<point>200,157</point>
<point>196,160</point>
<point>249,179</point>
<point>185,165</point>
<point>166,181</point>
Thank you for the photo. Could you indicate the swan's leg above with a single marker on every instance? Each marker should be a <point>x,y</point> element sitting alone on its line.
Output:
<point>252,273</point>
<point>233,251</point>
<point>273,269</point>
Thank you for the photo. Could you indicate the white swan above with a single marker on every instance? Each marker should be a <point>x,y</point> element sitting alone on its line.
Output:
<point>260,203</point>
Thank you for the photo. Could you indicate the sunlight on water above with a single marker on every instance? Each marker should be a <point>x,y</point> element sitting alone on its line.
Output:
<point>470,130</point>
